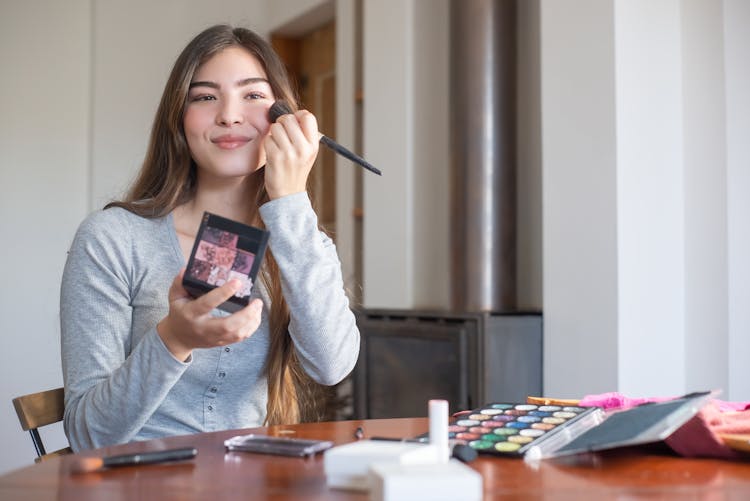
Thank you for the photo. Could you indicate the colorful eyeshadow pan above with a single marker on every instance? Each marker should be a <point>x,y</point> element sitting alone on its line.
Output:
<point>479,417</point>
<point>501,406</point>
<point>540,413</point>
<point>481,445</point>
<point>479,429</point>
<point>517,425</point>
<point>507,447</point>
<point>531,432</point>
<point>492,437</point>
<point>491,412</point>
<point>512,429</point>
<point>529,419</point>
<point>502,418</point>
<point>553,420</point>
<point>542,426</point>
<point>493,424</point>
<point>550,408</point>
<point>519,439</point>
<point>564,414</point>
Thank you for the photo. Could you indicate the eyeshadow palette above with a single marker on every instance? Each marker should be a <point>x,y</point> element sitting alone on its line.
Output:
<point>536,431</point>
<point>513,429</point>
<point>225,250</point>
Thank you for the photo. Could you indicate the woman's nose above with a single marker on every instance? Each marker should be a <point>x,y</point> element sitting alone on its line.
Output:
<point>230,113</point>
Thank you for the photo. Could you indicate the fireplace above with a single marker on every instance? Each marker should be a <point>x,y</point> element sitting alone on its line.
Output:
<point>484,350</point>
<point>408,357</point>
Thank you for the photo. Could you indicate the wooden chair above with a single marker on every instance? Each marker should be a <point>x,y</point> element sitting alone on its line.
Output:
<point>41,409</point>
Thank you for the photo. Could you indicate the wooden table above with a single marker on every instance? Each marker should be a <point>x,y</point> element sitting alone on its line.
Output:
<point>216,475</point>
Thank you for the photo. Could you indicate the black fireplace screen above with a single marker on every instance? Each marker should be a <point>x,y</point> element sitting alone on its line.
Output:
<point>408,357</point>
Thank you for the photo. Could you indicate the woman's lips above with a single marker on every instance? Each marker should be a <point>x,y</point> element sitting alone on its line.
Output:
<point>230,142</point>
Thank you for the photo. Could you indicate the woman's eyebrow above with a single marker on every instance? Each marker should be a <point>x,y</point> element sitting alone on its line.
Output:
<point>240,83</point>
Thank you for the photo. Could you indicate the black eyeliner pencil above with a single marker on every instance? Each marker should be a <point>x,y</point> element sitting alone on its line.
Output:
<point>281,108</point>
<point>89,464</point>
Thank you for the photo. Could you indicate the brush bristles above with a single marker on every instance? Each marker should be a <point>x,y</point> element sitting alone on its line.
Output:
<point>86,465</point>
<point>277,109</point>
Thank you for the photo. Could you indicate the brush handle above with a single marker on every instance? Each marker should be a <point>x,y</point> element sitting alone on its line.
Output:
<point>348,154</point>
<point>280,107</point>
<point>151,457</point>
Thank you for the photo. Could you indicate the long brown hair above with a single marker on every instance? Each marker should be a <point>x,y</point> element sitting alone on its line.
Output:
<point>168,179</point>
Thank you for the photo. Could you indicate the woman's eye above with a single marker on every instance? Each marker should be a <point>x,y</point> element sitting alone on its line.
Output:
<point>256,95</point>
<point>202,97</point>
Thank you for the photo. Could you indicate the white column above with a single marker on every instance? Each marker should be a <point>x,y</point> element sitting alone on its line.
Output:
<point>704,126</point>
<point>406,219</point>
<point>431,194</point>
<point>579,197</point>
<point>388,84</point>
<point>650,202</point>
<point>736,17</point>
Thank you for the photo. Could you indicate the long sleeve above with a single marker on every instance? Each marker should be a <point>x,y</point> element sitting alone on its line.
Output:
<point>115,378</point>
<point>322,325</point>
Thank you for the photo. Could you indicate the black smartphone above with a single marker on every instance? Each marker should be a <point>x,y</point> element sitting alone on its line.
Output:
<point>284,446</point>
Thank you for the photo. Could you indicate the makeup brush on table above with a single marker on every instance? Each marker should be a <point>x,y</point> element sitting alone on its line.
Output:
<point>91,464</point>
<point>282,108</point>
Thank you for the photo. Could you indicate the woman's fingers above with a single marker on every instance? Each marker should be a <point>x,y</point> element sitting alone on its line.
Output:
<point>191,324</point>
<point>309,126</point>
<point>176,290</point>
<point>211,300</point>
<point>237,326</point>
<point>291,148</point>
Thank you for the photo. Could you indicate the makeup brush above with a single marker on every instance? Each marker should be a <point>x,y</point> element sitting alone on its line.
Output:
<point>90,464</point>
<point>282,108</point>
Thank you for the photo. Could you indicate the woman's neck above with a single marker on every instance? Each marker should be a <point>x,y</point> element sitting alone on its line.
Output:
<point>234,199</point>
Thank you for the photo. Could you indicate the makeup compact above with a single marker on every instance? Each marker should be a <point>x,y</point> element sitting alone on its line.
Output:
<point>224,250</point>
<point>537,431</point>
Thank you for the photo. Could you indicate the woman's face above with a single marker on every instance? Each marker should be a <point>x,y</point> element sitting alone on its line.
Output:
<point>226,117</point>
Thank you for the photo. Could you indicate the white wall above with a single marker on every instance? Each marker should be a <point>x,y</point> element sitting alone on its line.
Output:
<point>737,71</point>
<point>705,167</point>
<point>650,197</point>
<point>44,164</point>
<point>645,183</point>
<point>406,211</point>
<point>388,241</point>
<point>579,196</point>
<point>430,192</point>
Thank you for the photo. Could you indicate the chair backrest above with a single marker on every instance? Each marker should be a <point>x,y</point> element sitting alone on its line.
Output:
<point>40,409</point>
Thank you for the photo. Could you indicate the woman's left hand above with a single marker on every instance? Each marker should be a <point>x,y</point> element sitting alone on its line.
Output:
<point>291,148</point>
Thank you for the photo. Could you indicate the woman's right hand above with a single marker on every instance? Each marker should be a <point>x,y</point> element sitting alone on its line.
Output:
<point>191,325</point>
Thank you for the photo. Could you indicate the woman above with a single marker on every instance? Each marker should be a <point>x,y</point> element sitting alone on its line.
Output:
<point>141,358</point>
